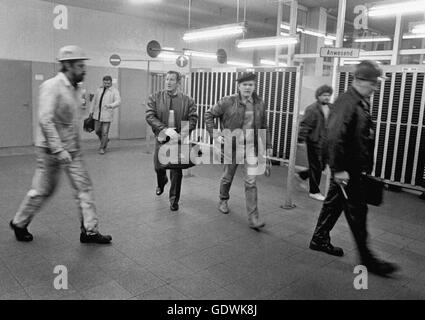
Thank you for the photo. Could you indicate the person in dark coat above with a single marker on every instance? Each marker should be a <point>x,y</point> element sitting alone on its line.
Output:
<point>313,133</point>
<point>243,114</point>
<point>159,107</point>
<point>351,148</point>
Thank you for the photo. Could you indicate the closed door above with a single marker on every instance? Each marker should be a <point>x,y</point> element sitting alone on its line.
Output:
<point>134,93</point>
<point>15,103</point>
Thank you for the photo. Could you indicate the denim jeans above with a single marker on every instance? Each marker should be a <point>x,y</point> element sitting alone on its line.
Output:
<point>44,184</point>
<point>250,188</point>
<point>102,131</point>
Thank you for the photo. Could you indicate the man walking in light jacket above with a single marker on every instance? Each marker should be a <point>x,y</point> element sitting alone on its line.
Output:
<point>106,99</point>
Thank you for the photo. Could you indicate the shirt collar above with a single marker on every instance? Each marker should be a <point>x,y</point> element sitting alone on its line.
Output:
<point>64,79</point>
<point>249,100</point>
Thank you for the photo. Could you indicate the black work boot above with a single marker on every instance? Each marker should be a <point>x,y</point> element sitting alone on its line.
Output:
<point>379,267</point>
<point>174,206</point>
<point>95,238</point>
<point>21,234</point>
<point>326,247</point>
<point>160,189</point>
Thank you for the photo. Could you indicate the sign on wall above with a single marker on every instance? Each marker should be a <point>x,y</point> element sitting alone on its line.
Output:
<point>339,52</point>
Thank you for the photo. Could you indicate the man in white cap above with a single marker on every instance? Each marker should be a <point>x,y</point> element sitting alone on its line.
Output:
<point>58,146</point>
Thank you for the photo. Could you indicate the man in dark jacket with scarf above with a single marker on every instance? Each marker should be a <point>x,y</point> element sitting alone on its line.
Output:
<point>244,116</point>
<point>313,133</point>
<point>157,115</point>
<point>351,147</point>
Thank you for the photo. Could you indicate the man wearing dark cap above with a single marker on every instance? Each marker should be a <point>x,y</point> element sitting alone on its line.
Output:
<point>243,114</point>
<point>351,147</point>
<point>105,101</point>
<point>313,133</point>
<point>58,147</point>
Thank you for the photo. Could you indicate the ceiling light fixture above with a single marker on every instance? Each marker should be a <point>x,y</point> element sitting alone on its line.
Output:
<point>373,39</point>
<point>240,63</point>
<point>351,62</point>
<point>215,32</point>
<point>200,54</point>
<point>413,36</point>
<point>272,63</point>
<point>418,28</point>
<point>266,42</point>
<point>329,42</point>
<point>309,32</point>
<point>397,8</point>
<point>144,1</point>
<point>168,56</point>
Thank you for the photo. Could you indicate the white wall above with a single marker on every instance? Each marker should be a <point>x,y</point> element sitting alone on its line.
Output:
<point>26,26</point>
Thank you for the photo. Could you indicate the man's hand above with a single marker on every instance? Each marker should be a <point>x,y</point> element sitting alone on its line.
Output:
<point>172,133</point>
<point>342,178</point>
<point>64,157</point>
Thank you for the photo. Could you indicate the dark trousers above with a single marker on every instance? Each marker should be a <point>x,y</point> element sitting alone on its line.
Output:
<point>176,176</point>
<point>316,164</point>
<point>355,210</point>
<point>102,130</point>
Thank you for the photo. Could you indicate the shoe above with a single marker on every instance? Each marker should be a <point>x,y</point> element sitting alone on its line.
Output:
<point>21,234</point>
<point>327,248</point>
<point>317,196</point>
<point>379,267</point>
<point>160,190</point>
<point>102,151</point>
<point>223,207</point>
<point>256,224</point>
<point>174,207</point>
<point>95,238</point>
<point>302,183</point>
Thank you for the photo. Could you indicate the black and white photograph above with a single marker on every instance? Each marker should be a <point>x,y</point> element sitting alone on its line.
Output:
<point>217,156</point>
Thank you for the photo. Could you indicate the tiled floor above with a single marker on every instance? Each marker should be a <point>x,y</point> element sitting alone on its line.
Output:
<point>196,253</point>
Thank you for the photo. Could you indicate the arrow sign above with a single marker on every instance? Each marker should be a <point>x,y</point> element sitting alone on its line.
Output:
<point>182,61</point>
<point>115,60</point>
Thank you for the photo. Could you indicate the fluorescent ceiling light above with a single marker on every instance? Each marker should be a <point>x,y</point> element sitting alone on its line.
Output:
<point>200,54</point>
<point>144,1</point>
<point>329,42</point>
<point>272,63</point>
<point>413,35</point>
<point>309,32</point>
<point>397,8</point>
<point>351,62</point>
<point>240,63</point>
<point>168,56</point>
<point>419,28</point>
<point>215,32</point>
<point>266,42</point>
<point>373,39</point>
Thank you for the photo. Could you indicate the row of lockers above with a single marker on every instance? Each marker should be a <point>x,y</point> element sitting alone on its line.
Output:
<point>277,88</point>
